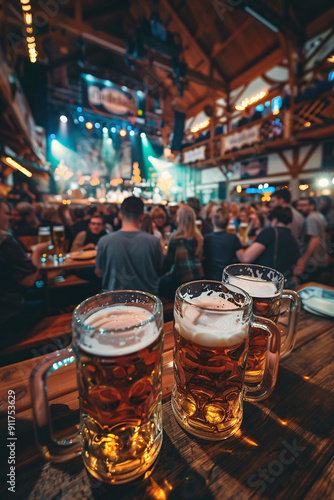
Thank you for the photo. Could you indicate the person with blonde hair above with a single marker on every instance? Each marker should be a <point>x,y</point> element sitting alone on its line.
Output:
<point>184,252</point>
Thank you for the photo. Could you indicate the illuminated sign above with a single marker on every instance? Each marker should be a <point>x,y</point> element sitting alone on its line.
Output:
<point>105,96</point>
<point>270,189</point>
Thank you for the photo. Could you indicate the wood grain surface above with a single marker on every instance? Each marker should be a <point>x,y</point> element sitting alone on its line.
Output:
<point>284,448</point>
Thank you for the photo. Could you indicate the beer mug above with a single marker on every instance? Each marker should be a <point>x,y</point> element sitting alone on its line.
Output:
<point>265,286</point>
<point>117,344</point>
<point>59,240</point>
<point>211,330</point>
<point>44,236</point>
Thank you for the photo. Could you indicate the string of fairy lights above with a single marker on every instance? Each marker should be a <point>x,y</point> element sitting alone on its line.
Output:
<point>31,41</point>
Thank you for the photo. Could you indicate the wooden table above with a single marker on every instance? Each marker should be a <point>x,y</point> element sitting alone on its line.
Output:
<point>284,449</point>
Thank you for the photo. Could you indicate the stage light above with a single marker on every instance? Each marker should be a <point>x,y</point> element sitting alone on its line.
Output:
<point>97,125</point>
<point>136,130</point>
<point>79,109</point>
<point>81,119</point>
<point>52,136</point>
<point>142,135</point>
<point>113,129</point>
<point>105,130</point>
<point>129,127</point>
<point>124,88</point>
<point>122,132</point>
<point>89,125</point>
<point>132,133</point>
<point>140,112</point>
<point>63,118</point>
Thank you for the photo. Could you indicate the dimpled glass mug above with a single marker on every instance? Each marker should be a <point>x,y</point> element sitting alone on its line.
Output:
<point>265,286</point>
<point>211,330</point>
<point>117,343</point>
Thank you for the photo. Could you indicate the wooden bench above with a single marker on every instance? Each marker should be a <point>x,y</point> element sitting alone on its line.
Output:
<point>51,334</point>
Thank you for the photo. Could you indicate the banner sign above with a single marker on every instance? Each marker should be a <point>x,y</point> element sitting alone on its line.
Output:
<point>194,155</point>
<point>105,96</point>
<point>238,139</point>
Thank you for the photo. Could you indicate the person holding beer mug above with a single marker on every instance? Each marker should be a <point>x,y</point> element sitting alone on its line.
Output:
<point>211,330</point>
<point>117,343</point>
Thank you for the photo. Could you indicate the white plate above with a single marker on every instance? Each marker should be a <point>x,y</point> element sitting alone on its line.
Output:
<point>317,300</point>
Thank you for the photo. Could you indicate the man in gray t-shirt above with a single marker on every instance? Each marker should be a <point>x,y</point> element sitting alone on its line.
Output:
<point>315,256</point>
<point>129,259</point>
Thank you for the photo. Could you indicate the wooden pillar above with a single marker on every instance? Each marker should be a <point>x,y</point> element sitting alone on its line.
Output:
<point>294,188</point>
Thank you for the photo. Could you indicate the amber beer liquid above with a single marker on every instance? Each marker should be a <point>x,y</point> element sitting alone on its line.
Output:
<point>120,395</point>
<point>44,235</point>
<point>209,367</point>
<point>267,304</point>
<point>59,239</point>
<point>243,228</point>
<point>231,228</point>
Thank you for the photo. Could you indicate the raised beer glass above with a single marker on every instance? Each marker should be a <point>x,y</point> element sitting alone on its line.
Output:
<point>211,330</point>
<point>265,286</point>
<point>59,240</point>
<point>117,344</point>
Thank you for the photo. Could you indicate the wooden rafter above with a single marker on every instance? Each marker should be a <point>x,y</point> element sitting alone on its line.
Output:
<point>193,41</point>
<point>220,46</point>
<point>308,156</point>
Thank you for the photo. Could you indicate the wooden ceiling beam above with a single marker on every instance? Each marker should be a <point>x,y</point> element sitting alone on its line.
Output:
<point>193,41</point>
<point>219,47</point>
<point>321,24</point>
<point>198,106</point>
<point>256,68</point>
<point>118,46</point>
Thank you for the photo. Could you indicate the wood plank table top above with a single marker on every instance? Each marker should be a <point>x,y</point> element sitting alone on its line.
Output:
<point>284,449</point>
<point>67,264</point>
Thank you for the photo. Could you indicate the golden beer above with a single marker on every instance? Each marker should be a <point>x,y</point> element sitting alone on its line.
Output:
<point>117,342</point>
<point>265,286</point>
<point>59,239</point>
<point>209,365</point>
<point>44,235</point>
<point>243,229</point>
<point>211,331</point>
<point>231,229</point>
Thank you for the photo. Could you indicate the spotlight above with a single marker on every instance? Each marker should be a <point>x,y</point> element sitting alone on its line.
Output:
<point>89,125</point>
<point>63,119</point>
<point>122,132</point>
<point>79,109</point>
<point>142,135</point>
<point>105,130</point>
<point>132,132</point>
<point>97,125</point>
<point>129,127</point>
<point>52,136</point>
<point>113,129</point>
<point>81,119</point>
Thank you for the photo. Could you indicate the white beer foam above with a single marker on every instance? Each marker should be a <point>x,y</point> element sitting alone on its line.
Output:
<point>119,343</point>
<point>211,327</point>
<point>255,287</point>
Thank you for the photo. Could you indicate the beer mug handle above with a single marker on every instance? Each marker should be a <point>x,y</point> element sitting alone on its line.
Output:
<point>266,387</point>
<point>290,339</point>
<point>51,448</point>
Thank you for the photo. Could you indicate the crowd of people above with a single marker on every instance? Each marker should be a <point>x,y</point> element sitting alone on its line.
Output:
<point>156,250</point>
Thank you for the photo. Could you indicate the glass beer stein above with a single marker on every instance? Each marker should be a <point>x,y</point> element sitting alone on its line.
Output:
<point>211,330</point>
<point>265,286</point>
<point>117,344</point>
